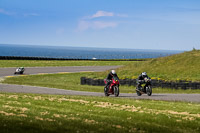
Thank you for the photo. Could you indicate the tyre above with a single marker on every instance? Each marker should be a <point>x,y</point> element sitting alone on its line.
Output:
<point>138,92</point>
<point>105,91</point>
<point>116,91</point>
<point>149,90</point>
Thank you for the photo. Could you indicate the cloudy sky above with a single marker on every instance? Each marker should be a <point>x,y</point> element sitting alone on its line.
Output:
<point>131,24</point>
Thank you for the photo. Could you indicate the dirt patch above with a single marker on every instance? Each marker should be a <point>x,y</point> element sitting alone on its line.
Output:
<point>125,107</point>
<point>74,100</point>
<point>90,121</point>
<point>44,113</point>
<point>7,114</point>
<point>13,96</point>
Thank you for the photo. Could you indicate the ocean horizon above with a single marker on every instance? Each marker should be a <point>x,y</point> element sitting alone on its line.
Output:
<point>69,52</point>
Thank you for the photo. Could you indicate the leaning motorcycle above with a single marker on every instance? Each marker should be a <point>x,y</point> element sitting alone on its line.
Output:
<point>113,88</point>
<point>19,70</point>
<point>144,88</point>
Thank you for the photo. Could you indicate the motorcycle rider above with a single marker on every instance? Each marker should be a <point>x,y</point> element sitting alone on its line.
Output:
<point>141,78</point>
<point>109,78</point>
<point>21,68</point>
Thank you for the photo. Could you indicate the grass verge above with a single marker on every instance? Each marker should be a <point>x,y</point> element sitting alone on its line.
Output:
<point>71,81</point>
<point>43,63</point>
<point>50,113</point>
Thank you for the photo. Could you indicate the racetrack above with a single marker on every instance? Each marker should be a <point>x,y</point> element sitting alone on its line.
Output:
<point>44,90</point>
<point>35,70</point>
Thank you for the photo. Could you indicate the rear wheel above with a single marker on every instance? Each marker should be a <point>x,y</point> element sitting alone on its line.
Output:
<point>116,91</point>
<point>149,90</point>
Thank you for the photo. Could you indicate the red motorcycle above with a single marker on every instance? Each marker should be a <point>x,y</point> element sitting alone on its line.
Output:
<point>113,87</point>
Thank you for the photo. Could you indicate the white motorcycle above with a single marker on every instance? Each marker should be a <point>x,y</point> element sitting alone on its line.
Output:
<point>19,70</point>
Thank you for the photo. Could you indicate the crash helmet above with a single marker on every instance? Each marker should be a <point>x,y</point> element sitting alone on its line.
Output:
<point>113,72</point>
<point>144,74</point>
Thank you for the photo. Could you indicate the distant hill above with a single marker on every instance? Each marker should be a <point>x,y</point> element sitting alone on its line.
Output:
<point>183,66</point>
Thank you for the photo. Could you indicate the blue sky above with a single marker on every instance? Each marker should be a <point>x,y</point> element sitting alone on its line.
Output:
<point>130,24</point>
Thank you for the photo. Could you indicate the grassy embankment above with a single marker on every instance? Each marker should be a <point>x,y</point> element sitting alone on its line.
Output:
<point>184,66</point>
<point>50,113</point>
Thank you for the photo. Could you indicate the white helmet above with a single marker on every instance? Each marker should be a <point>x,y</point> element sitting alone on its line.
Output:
<point>144,74</point>
<point>113,72</point>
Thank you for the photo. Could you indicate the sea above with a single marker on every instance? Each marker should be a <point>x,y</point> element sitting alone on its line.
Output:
<point>81,52</point>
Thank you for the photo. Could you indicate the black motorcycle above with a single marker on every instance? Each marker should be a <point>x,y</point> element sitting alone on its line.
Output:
<point>144,88</point>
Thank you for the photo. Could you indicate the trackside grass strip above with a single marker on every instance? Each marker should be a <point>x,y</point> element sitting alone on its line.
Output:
<point>43,63</point>
<point>50,113</point>
<point>71,81</point>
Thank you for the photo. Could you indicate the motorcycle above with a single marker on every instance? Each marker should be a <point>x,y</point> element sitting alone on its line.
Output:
<point>144,88</point>
<point>113,87</point>
<point>19,70</point>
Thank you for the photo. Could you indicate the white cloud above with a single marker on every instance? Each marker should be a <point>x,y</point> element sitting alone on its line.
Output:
<point>88,22</point>
<point>2,11</point>
<point>85,25</point>
<point>102,14</point>
<point>106,14</point>
<point>102,25</point>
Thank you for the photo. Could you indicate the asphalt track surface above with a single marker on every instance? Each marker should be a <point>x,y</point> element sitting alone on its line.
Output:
<point>44,90</point>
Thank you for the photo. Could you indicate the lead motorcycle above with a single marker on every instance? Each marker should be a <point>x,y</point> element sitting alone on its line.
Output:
<point>144,88</point>
<point>19,70</point>
<point>113,88</point>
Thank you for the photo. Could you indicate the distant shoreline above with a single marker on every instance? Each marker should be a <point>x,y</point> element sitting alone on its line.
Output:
<point>80,53</point>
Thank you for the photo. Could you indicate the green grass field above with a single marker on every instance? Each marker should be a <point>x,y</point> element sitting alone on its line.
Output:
<point>50,113</point>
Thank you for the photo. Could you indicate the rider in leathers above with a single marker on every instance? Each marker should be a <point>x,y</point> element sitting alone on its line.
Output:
<point>109,78</point>
<point>141,78</point>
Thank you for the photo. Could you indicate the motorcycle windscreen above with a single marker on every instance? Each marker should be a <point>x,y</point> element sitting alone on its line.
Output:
<point>115,78</point>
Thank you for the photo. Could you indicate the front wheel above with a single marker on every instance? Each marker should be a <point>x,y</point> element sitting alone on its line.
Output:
<point>106,91</point>
<point>138,89</point>
<point>116,91</point>
<point>149,90</point>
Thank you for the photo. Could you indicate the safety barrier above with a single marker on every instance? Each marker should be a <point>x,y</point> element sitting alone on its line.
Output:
<point>49,58</point>
<point>155,83</point>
